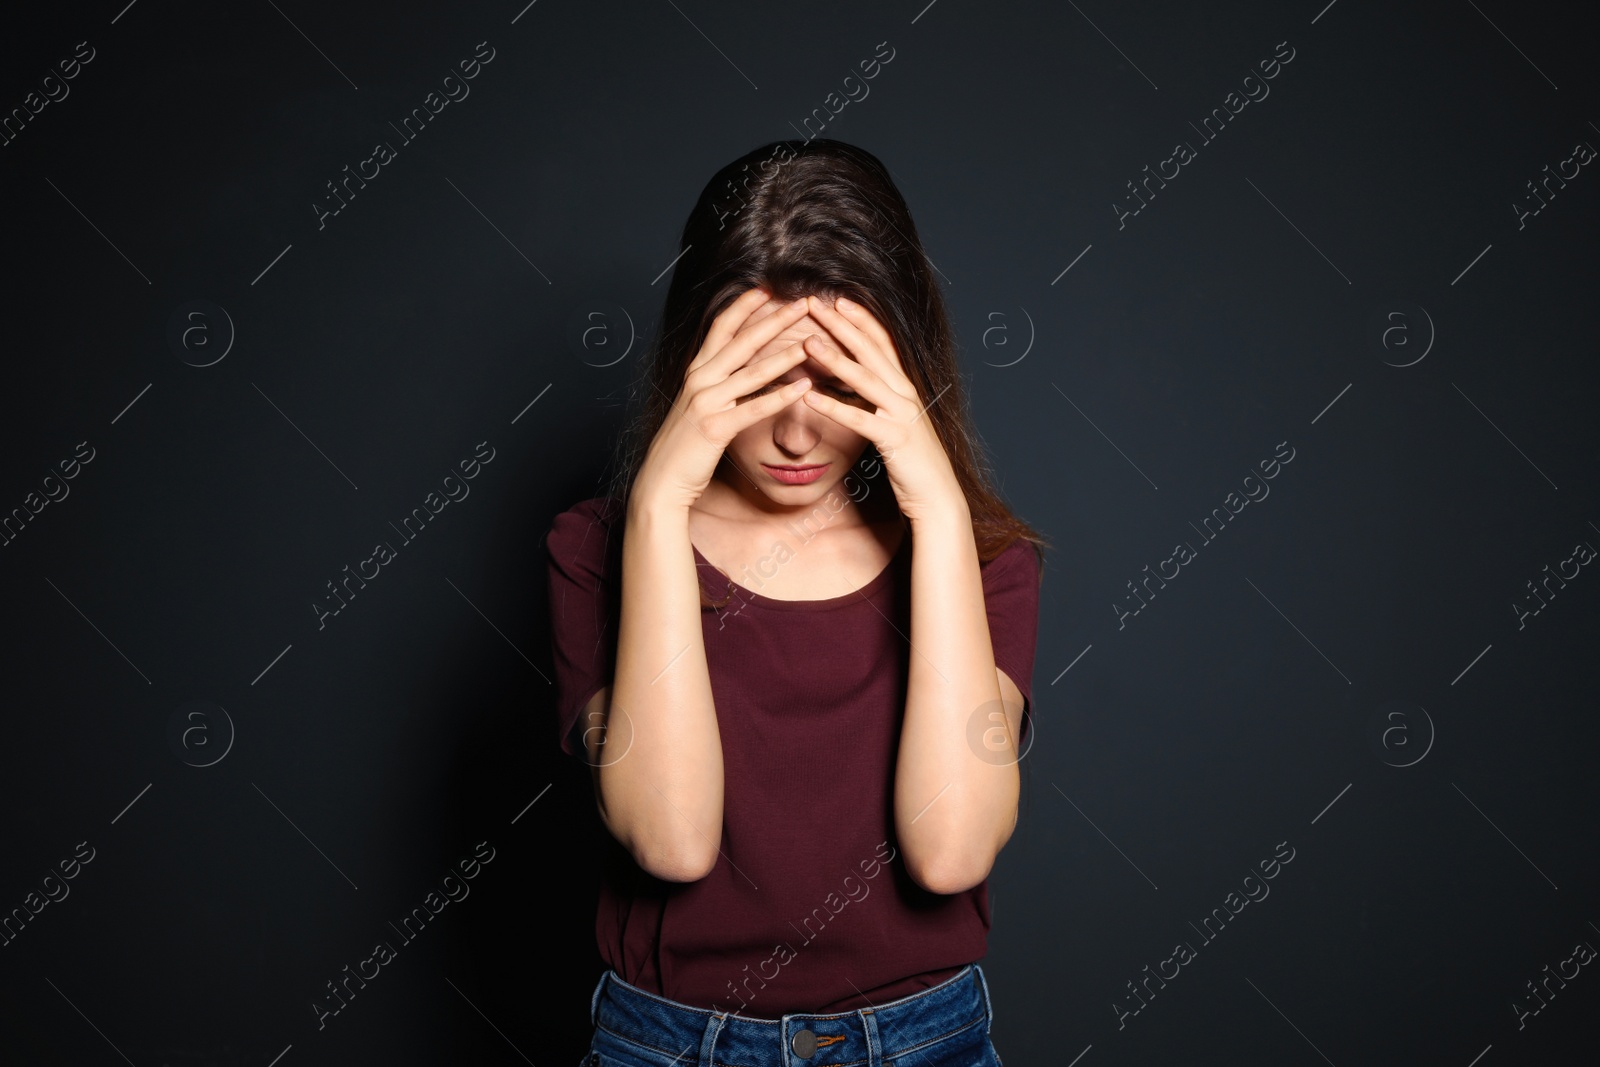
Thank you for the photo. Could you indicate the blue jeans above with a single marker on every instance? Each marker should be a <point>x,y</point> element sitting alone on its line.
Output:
<point>945,1026</point>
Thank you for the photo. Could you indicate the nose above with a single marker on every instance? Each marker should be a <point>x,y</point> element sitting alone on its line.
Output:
<point>797,427</point>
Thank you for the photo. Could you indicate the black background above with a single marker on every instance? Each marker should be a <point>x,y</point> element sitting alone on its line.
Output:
<point>1342,669</point>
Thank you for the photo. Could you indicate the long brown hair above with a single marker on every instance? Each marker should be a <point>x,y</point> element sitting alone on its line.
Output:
<point>822,217</point>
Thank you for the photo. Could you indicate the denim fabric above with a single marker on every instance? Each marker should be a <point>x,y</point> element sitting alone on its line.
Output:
<point>945,1026</point>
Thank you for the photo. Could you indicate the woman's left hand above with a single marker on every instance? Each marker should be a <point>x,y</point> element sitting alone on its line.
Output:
<point>924,482</point>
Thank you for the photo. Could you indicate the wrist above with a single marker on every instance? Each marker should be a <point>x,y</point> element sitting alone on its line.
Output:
<point>649,509</point>
<point>949,514</point>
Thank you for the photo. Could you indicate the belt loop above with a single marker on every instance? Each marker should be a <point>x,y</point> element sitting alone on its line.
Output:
<point>594,1001</point>
<point>708,1040</point>
<point>869,1024</point>
<point>983,984</point>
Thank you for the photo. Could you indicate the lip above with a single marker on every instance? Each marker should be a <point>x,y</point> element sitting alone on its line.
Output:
<point>796,475</point>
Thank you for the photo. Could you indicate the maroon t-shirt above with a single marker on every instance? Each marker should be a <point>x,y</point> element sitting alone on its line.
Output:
<point>809,907</point>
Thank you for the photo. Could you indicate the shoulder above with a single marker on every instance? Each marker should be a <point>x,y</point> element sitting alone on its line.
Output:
<point>1012,579</point>
<point>596,511</point>
<point>1017,559</point>
<point>586,529</point>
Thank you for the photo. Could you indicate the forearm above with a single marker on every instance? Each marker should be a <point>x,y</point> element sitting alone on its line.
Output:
<point>661,777</point>
<point>953,810</point>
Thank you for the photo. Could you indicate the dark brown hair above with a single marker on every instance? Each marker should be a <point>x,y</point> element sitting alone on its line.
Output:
<point>821,217</point>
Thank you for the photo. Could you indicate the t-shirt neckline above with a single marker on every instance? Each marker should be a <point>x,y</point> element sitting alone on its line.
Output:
<point>863,593</point>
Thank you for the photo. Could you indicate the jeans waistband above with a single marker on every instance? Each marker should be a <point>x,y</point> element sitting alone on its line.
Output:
<point>867,1036</point>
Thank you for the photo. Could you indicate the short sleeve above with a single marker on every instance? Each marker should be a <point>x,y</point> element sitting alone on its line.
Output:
<point>1011,600</point>
<point>584,553</point>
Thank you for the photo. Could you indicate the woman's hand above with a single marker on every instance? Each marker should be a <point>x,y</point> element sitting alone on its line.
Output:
<point>924,482</point>
<point>707,412</point>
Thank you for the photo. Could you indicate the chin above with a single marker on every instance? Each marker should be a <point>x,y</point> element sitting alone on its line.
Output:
<point>791,494</point>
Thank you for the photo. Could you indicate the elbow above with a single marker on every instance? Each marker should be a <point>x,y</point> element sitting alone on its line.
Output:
<point>681,862</point>
<point>675,868</point>
<point>655,846</point>
<point>947,874</point>
<point>950,862</point>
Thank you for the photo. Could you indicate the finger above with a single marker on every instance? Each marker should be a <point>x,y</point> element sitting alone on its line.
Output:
<point>876,354</point>
<point>866,321</point>
<point>858,376</point>
<point>725,325</point>
<point>729,322</point>
<point>736,352</point>
<point>874,336</point>
<point>848,415</point>
<point>741,417</point>
<point>753,376</point>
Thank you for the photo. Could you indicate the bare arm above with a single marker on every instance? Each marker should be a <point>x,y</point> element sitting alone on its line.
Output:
<point>953,810</point>
<point>658,762</point>
<point>658,758</point>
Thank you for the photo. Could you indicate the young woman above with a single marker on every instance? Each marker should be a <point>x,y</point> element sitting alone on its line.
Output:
<point>799,672</point>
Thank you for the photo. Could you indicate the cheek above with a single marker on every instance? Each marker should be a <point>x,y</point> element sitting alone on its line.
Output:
<point>846,441</point>
<point>744,440</point>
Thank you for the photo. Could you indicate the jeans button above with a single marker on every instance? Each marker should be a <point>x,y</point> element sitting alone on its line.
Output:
<point>804,1044</point>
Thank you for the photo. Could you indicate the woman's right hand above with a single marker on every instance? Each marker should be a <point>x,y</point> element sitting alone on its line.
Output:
<point>707,414</point>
